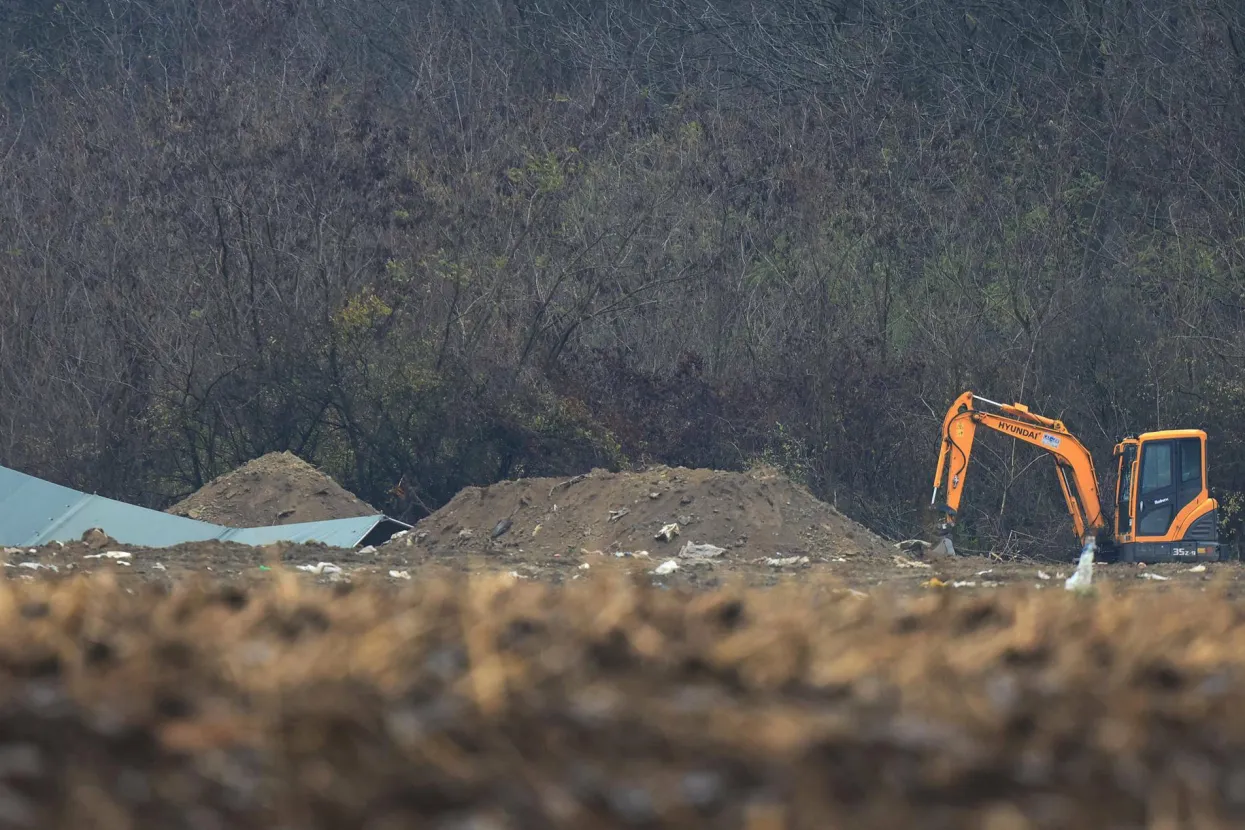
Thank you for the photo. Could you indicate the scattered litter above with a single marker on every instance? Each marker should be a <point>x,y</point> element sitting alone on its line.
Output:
<point>1197,569</point>
<point>983,573</point>
<point>900,562</point>
<point>963,584</point>
<point>1043,575</point>
<point>399,535</point>
<point>159,566</point>
<point>668,532</point>
<point>465,533</point>
<point>584,566</point>
<point>627,554</point>
<point>667,567</point>
<point>703,551</point>
<point>615,515</point>
<point>368,549</point>
<point>654,495</point>
<point>58,543</point>
<point>933,582</point>
<point>36,566</point>
<point>536,529</point>
<point>838,559</point>
<point>913,544</point>
<point>500,528</point>
<point>321,568</point>
<point>783,561</point>
<point>1082,579</point>
<point>421,535</point>
<point>11,551</point>
<point>111,554</point>
<point>400,574</point>
<point>1152,575</point>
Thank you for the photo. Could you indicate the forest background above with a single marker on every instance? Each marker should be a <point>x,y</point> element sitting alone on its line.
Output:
<point>434,244</point>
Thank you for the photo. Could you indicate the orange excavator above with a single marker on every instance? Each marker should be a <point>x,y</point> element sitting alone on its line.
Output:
<point>1163,511</point>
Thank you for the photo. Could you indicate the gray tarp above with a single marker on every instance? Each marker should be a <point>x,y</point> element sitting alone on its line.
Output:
<point>34,512</point>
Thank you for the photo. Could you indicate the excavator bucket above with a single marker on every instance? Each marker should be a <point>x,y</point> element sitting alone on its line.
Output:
<point>943,547</point>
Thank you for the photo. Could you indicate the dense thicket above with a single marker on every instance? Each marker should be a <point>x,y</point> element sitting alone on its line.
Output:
<point>432,244</point>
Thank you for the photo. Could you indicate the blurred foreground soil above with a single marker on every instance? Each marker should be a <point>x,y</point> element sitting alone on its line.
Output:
<point>489,702</point>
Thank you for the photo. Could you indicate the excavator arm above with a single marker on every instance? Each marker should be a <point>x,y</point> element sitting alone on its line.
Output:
<point>1073,463</point>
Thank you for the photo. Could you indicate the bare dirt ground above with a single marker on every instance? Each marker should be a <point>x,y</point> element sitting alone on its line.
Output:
<point>764,531</point>
<point>275,489</point>
<point>556,672</point>
<point>496,703</point>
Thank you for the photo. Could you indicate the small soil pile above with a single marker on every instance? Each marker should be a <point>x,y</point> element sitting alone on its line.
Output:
<point>275,489</point>
<point>755,514</point>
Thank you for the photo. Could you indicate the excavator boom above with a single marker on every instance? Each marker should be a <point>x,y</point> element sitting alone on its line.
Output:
<point>1073,463</point>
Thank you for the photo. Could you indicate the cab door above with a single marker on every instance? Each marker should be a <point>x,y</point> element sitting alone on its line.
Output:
<point>1170,478</point>
<point>1124,492</point>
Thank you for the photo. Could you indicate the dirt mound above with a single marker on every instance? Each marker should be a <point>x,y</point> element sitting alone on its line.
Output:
<point>512,705</point>
<point>748,515</point>
<point>275,489</point>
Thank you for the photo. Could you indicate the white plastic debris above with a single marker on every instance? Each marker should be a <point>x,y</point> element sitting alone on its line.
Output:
<point>584,566</point>
<point>1082,579</point>
<point>404,574</point>
<point>1151,575</point>
<point>159,566</point>
<point>615,515</point>
<point>367,549</point>
<point>783,561</point>
<point>963,584</point>
<point>1197,569</point>
<point>667,567</point>
<point>900,562</point>
<point>703,551</point>
<point>11,551</point>
<point>983,573</point>
<point>1043,575</point>
<point>37,566</point>
<point>399,535</point>
<point>321,568</point>
<point>109,554</point>
<point>668,532</point>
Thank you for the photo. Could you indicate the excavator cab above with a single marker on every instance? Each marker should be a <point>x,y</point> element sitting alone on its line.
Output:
<point>1163,509</point>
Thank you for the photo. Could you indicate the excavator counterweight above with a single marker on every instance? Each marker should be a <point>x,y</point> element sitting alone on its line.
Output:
<point>1163,511</point>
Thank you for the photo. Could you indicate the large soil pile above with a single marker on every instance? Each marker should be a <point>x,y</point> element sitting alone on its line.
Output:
<point>509,705</point>
<point>275,489</point>
<point>760,514</point>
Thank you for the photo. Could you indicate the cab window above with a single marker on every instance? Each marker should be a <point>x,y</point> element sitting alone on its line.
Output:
<point>1156,466</point>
